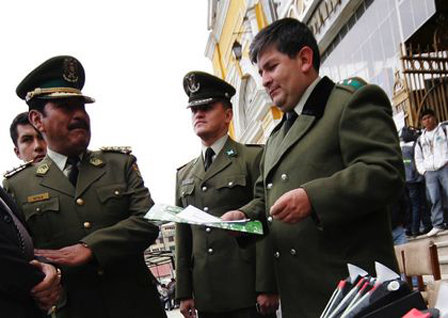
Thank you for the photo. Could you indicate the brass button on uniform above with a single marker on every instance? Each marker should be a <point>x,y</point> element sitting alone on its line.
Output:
<point>293,252</point>
<point>116,192</point>
<point>284,177</point>
<point>204,188</point>
<point>230,183</point>
<point>270,219</point>
<point>79,201</point>
<point>206,208</point>
<point>210,251</point>
<point>208,230</point>
<point>277,254</point>
<point>87,225</point>
<point>37,209</point>
<point>269,186</point>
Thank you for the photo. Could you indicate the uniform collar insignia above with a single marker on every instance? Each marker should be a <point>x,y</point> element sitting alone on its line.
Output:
<point>43,169</point>
<point>192,84</point>
<point>231,153</point>
<point>97,162</point>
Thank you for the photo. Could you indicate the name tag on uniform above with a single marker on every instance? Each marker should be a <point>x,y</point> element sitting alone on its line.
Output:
<point>38,197</point>
<point>187,181</point>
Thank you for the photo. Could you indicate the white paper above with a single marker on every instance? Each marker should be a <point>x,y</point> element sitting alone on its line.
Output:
<point>194,214</point>
<point>355,271</point>
<point>384,274</point>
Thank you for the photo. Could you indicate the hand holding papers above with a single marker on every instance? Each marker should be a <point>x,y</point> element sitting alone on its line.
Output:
<point>195,216</point>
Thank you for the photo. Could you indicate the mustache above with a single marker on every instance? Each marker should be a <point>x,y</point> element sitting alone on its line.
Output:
<point>80,124</point>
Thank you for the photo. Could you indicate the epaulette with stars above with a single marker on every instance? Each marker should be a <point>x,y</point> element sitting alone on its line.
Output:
<point>352,84</point>
<point>12,172</point>
<point>120,149</point>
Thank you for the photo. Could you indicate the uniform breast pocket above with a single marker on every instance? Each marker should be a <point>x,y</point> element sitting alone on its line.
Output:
<point>115,199</point>
<point>186,193</point>
<point>40,216</point>
<point>230,182</point>
<point>232,191</point>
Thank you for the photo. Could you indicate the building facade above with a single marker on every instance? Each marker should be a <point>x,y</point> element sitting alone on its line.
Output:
<point>381,41</point>
<point>160,256</point>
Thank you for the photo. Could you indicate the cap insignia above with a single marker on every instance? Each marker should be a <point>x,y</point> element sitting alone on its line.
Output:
<point>70,70</point>
<point>192,84</point>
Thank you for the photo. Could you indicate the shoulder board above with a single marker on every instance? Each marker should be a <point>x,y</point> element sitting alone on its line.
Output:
<point>254,145</point>
<point>190,162</point>
<point>120,149</point>
<point>353,83</point>
<point>12,172</point>
<point>181,167</point>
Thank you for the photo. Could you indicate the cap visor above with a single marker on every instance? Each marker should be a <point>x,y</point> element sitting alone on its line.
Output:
<point>201,102</point>
<point>87,99</point>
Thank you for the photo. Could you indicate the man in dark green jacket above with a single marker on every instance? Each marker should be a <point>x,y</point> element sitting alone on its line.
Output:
<point>215,275</point>
<point>329,170</point>
<point>84,209</point>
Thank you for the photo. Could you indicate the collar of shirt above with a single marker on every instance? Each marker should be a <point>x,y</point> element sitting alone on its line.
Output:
<point>299,107</point>
<point>217,146</point>
<point>59,159</point>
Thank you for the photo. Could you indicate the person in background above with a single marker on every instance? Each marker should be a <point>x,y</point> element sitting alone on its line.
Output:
<point>29,145</point>
<point>431,158</point>
<point>419,221</point>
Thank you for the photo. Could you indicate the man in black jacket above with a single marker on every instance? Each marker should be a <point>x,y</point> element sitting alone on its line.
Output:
<point>28,288</point>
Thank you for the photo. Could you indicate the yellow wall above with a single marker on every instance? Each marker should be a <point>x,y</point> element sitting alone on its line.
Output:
<point>223,58</point>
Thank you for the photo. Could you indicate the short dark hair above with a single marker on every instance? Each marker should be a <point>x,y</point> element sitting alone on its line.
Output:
<point>225,102</point>
<point>20,119</point>
<point>37,104</point>
<point>427,111</point>
<point>289,36</point>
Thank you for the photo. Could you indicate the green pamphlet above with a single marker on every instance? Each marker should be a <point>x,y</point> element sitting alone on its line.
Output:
<point>164,213</point>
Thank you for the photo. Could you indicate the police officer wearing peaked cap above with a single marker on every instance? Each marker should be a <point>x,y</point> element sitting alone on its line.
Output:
<point>203,89</point>
<point>216,275</point>
<point>84,208</point>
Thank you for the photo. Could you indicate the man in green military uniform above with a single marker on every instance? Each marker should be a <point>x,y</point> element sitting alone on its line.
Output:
<point>84,209</point>
<point>329,170</point>
<point>215,275</point>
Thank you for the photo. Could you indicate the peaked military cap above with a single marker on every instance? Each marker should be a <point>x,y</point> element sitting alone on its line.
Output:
<point>58,77</point>
<point>203,88</point>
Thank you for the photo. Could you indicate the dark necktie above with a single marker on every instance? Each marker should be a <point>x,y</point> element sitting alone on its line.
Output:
<point>73,174</point>
<point>290,119</point>
<point>209,153</point>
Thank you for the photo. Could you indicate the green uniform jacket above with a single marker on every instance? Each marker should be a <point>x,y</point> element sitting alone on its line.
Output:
<point>211,266</point>
<point>343,150</point>
<point>105,212</point>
